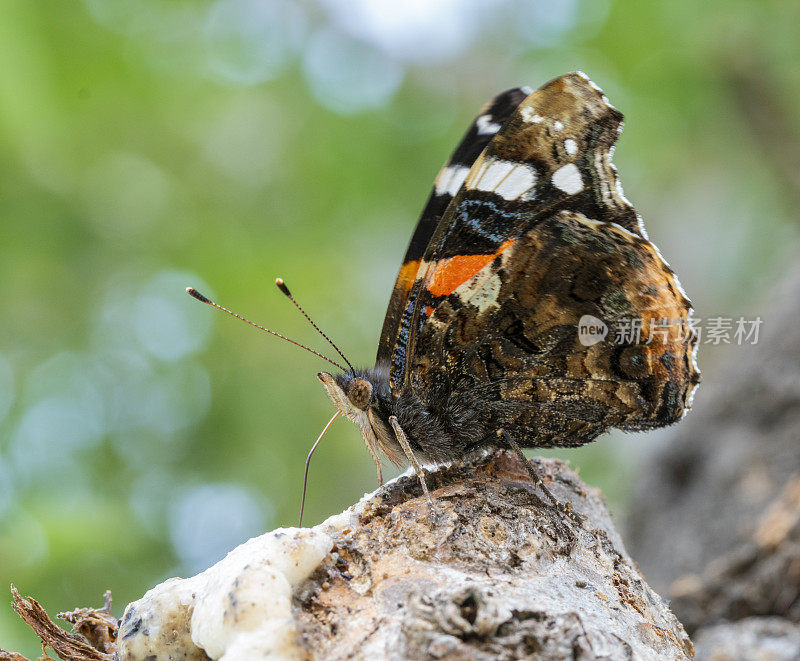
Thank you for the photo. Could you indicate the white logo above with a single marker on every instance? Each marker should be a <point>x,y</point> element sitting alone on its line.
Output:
<point>591,330</point>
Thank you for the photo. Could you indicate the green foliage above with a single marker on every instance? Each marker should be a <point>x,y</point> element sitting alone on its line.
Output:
<point>134,165</point>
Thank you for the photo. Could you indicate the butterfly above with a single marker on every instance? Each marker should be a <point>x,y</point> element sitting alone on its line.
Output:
<point>525,236</point>
<point>526,232</point>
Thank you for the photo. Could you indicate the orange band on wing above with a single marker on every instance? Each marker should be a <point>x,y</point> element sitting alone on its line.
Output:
<point>451,273</point>
<point>408,272</point>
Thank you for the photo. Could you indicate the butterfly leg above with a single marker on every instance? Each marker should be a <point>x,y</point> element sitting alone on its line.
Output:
<point>377,461</point>
<point>535,476</point>
<point>401,438</point>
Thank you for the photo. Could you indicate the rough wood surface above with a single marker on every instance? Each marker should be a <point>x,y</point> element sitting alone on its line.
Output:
<point>497,573</point>
<point>750,639</point>
<point>498,576</point>
<point>760,578</point>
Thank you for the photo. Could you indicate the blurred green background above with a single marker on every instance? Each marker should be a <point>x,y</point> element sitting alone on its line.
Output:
<point>146,146</point>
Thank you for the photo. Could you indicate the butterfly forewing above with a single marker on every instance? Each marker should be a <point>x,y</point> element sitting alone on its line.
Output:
<point>490,120</point>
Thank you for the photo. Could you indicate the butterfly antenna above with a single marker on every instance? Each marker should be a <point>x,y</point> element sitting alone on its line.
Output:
<point>308,461</point>
<point>282,286</point>
<point>196,294</point>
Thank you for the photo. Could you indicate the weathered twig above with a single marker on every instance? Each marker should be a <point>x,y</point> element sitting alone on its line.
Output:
<point>97,625</point>
<point>68,646</point>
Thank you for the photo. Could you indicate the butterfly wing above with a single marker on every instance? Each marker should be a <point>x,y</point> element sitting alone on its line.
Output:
<point>512,333</point>
<point>491,119</point>
<point>540,235</point>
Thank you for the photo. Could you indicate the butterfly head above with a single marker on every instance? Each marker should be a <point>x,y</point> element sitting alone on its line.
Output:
<point>350,393</point>
<point>359,392</point>
<point>362,396</point>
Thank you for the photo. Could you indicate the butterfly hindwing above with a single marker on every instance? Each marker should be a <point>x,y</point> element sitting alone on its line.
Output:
<point>514,326</point>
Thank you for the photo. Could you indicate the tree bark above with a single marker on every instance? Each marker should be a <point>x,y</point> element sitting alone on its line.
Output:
<point>494,573</point>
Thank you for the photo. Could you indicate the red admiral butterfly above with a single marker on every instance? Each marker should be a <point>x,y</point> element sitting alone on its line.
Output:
<point>527,230</point>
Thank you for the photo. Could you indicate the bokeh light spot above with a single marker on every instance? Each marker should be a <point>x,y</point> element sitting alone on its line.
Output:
<point>50,432</point>
<point>249,42</point>
<point>544,22</point>
<point>208,520</point>
<point>348,76</point>
<point>418,31</point>
<point>245,141</point>
<point>169,324</point>
<point>175,400</point>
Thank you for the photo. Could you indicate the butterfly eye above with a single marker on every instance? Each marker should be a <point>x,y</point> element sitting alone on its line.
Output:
<point>359,392</point>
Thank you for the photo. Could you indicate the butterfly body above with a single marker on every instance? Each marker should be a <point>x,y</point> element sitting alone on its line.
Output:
<point>526,233</point>
<point>442,423</point>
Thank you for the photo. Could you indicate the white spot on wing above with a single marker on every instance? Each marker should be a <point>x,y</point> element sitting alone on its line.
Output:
<point>518,183</point>
<point>491,173</point>
<point>450,180</point>
<point>529,116</point>
<point>568,179</point>
<point>486,125</point>
<point>570,146</point>
<point>557,125</point>
<point>508,179</point>
<point>486,295</point>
